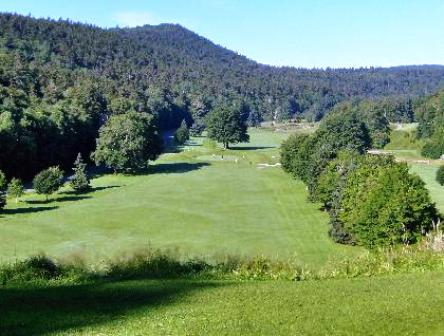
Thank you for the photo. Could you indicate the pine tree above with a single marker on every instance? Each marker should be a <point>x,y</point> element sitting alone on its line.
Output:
<point>80,181</point>
<point>182,134</point>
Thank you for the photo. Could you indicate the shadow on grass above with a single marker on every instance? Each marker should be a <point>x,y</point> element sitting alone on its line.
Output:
<point>27,210</point>
<point>251,148</point>
<point>72,192</point>
<point>72,198</point>
<point>177,168</point>
<point>39,310</point>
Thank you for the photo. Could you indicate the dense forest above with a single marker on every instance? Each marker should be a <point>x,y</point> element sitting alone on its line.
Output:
<point>59,82</point>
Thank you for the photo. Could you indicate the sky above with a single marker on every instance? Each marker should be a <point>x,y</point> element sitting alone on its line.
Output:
<point>300,33</point>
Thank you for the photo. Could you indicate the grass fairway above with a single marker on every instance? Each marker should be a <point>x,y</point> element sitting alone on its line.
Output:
<point>394,305</point>
<point>428,174</point>
<point>196,200</point>
<point>405,147</point>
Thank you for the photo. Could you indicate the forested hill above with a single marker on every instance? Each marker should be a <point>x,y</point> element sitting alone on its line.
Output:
<point>139,62</point>
<point>59,81</point>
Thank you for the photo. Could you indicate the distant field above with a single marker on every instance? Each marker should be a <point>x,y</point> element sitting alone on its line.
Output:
<point>197,201</point>
<point>394,305</point>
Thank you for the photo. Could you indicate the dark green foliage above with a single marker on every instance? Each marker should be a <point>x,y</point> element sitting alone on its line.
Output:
<point>38,268</point>
<point>227,125</point>
<point>373,201</point>
<point>182,134</point>
<point>429,112</point>
<point>434,147</point>
<point>290,157</point>
<point>430,115</point>
<point>15,189</point>
<point>3,188</point>
<point>80,181</point>
<point>440,175</point>
<point>386,205</point>
<point>307,156</point>
<point>48,181</point>
<point>59,81</point>
<point>127,142</point>
<point>373,114</point>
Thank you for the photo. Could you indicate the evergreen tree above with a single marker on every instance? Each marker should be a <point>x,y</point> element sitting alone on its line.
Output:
<point>182,134</point>
<point>15,189</point>
<point>80,181</point>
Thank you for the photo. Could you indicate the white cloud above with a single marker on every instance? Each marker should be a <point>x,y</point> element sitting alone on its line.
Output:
<point>134,19</point>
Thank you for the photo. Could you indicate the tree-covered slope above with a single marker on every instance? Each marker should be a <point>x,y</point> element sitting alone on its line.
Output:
<point>170,56</point>
<point>59,81</point>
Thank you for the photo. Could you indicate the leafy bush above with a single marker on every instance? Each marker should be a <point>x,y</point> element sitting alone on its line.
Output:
<point>15,189</point>
<point>440,175</point>
<point>33,269</point>
<point>48,181</point>
<point>434,148</point>
<point>386,205</point>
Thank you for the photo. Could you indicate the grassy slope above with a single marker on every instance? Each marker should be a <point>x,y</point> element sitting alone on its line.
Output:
<point>404,145</point>
<point>428,175</point>
<point>395,305</point>
<point>195,201</point>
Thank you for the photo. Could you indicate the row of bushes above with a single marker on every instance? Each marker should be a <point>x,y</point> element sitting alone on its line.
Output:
<point>164,265</point>
<point>46,182</point>
<point>372,200</point>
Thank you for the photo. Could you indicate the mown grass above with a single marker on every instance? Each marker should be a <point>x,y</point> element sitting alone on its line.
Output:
<point>204,201</point>
<point>391,305</point>
<point>428,175</point>
<point>406,147</point>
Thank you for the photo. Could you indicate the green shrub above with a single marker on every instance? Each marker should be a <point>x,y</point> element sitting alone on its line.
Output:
<point>383,204</point>
<point>48,181</point>
<point>15,189</point>
<point>33,269</point>
<point>432,150</point>
<point>440,175</point>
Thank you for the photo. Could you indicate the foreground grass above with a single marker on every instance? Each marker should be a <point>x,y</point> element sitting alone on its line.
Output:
<point>204,201</point>
<point>392,305</point>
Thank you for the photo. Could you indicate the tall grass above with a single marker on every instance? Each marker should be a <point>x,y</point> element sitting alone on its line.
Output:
<point>152,264</point>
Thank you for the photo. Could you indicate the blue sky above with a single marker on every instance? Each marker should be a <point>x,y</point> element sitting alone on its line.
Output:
<point>301,33</point>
